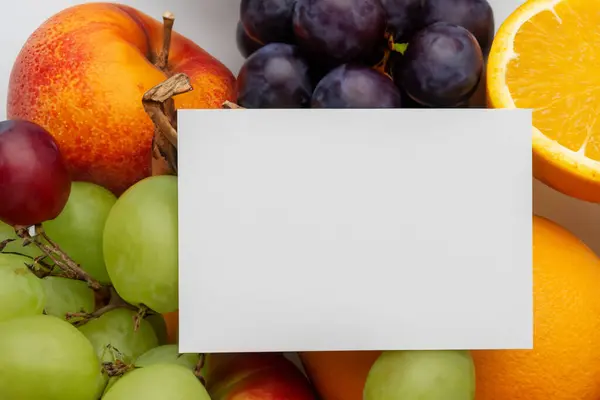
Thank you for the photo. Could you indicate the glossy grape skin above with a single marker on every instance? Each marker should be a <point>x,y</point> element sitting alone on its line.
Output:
<point>46,358</point>
<point>356,86</point>
<point>275,76</point>
<point>64,295</point>
<point>21,292</point>
<point>158,382</point>
<point>141,245</point>
<point>268,21</point>
<point>421,375</point>
<point>245,44</point>
<point>79,228</point>
<point>167,354</point>
<point>334,32</point>
<point>476,16</point>
<point>116,328</point>
<point>34,180</point>
<point>404,18</point>
<point>441,67</point>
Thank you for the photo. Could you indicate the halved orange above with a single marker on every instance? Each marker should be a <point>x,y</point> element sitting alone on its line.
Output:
<point>546,57</point>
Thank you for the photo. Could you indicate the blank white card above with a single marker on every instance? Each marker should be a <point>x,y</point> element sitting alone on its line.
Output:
<point>355,230</point>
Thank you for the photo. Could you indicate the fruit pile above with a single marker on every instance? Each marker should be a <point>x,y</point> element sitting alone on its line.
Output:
<point>83,333</point>
<point>88,183</point>
<point>362,53</point>
<point>88,218</point>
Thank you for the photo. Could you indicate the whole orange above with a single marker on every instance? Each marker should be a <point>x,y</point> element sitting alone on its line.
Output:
<point>565,361</point>
<point>338,375</point>
<point>172,322</point>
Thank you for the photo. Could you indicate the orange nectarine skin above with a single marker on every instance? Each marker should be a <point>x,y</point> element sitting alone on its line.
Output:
<point>82,75</point>
<point>251,376</point>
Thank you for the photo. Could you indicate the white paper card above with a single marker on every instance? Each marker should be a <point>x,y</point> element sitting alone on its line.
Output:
<point>355,230</point>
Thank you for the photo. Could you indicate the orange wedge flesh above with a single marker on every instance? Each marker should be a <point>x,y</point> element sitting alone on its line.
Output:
<point>546,57</point>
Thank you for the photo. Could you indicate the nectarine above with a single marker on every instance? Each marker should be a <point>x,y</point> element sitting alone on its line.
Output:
<point>82,74</point>
<point>251,376</point>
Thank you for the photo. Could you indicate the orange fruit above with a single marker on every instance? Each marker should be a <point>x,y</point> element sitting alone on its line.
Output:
<point>544,57</point>
<point>565,361</point>
<point>172,321</point>
<point>338,375</point>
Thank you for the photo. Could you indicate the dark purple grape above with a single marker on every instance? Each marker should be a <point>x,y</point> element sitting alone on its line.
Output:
<point>268,21</point>
<point>476,16</point>
<point>333,32</point>
<point>441,67</point>
<point>275,76</point>
<point>356,86</point>
<point>407,102</point>
<point>245,44</point>
<point>404,18</point>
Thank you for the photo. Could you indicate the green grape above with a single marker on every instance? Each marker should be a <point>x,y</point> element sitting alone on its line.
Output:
<point>140,244</point>
<point>79,227</point>
<point>8,232</point>
<point>113,336</point>
<point>46,358</point>
<point>421,375</point>
<point>167,354</point>
<point>160,327</point>
<point>111,381</point>
<point>21,292</point>
<point>65,295</point>
<point>158,382</point>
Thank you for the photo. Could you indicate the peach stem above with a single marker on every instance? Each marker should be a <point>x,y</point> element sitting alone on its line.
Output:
<point>163,57</point>
<point>231,106</point>
<point>157,103</point>
<point>160,107</point>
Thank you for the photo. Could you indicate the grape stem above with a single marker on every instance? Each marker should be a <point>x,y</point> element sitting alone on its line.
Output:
<point>54,252</point>
<point>5,243</point>
<point>393,46</point>
<point>115,302</point>
<point>117,368</point>
<point>38,267</point>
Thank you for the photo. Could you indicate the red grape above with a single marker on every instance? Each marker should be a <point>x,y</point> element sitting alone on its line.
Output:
<point>34,180</point>
<point>245,44</point>
<point>442,66</point>
<point>356,86</point>
<point>334,32</point>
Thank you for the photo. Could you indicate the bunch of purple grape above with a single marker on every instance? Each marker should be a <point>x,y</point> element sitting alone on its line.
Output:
<point>362,53</point>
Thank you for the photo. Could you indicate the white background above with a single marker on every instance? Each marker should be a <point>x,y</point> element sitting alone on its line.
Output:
<point>211,24</point>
